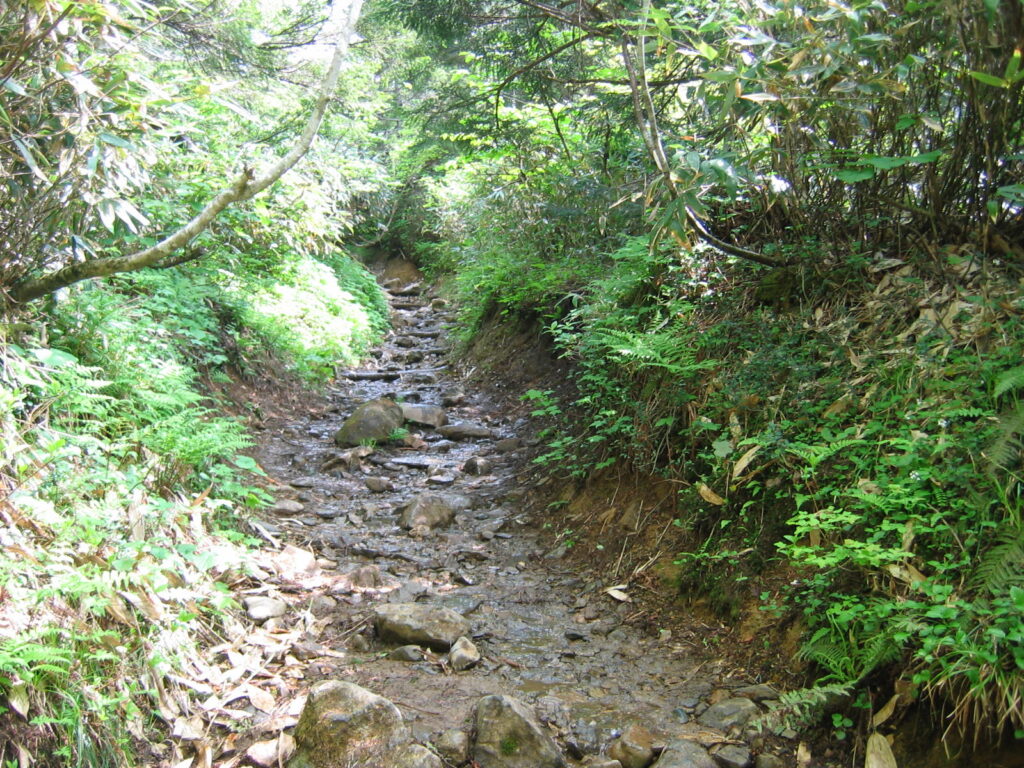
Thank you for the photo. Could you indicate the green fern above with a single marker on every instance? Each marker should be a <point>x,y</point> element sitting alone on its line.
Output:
<point>803,707</point>
<point>1009,381</point>
<point>1007,446</point>
<point>1002,566</point>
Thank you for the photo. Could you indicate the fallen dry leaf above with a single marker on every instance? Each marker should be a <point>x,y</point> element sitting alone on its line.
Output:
<point>879,753</point>
<point>710,496</point>
<point>272,752</point>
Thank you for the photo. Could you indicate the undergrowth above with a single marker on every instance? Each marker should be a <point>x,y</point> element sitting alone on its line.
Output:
<point>126,486</point>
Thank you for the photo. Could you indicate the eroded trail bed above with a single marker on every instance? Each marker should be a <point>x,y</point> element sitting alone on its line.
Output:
<point>551,637</point>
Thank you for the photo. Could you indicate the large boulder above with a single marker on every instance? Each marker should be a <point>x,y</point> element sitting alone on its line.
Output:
<point>428,415</point>
<point>374,421</point>
<point>432,510</point>
<point>419,624</point>
<point>343,725</point>
<point>508,735</point>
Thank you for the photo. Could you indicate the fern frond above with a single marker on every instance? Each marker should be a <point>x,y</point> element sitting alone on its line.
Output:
<point>1002,566</point>
<point>1007,445</point>
<point>1009,381</point>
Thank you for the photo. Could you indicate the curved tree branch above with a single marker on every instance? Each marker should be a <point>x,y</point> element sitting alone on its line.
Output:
<point>245,186</point>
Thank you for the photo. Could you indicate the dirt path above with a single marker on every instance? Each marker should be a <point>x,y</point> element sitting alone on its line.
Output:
<point>557,639</point>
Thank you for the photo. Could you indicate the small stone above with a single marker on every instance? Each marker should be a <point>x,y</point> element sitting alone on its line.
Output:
<point>633,748</point>
<point>260,608</point>
<point>430,625</point>
<point>441,480</point>
<point>465,431</point>
<point>732,756</point>
<point>287,507</point>
<point>766,760</point>
<point>681,716</point>
<point>508,444</point>
<point>428,415</point>
<point>477,465</point>
<point>453,746</point>
<point>413,756</point>
<point>379,484</point>
<point>757,692</point>
<point>683,753</point>
<point>463,654</point>
<point>366,577</point>
<point>602,762</point>
<point>322,605</point>
<point>788,733</point>
<point>359,643</point>
<point>406,653</point>
<point>728,714</point>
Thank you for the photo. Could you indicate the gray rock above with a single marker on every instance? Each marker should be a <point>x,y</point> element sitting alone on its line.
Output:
<point>463,654</point>
<point>343,724</point>
<point>260,608</point>
<point>365,577</point>
<point>413,756</point>
<point>509,736</point>
<point>322,605</point>
<point>602,762</point>
<point>452,397</point>
<point>477,465</point>
<point>419,623</point>
<point>379,484</point>
<point>429,415</point>
<point>286,507</point>
<point>732,756</point>
<point>757,692</point>
<point>633,748</point>
<point>465,431</point>
<point>684,754</point>
<point>585,737</point>
<point>508,445</point>
<point>453,745</point>
<point>765,760</point>
<point>727,714</point>
<point>375,420</point>
<point>406,653</point>
<point>432,510</point>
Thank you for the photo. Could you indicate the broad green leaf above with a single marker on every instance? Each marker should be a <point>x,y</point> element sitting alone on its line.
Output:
<point>706,51</point>
<point>853,175</point>
<point>54,358</point>
<point>14,86</point>
<point>987,79</point>
<point>117,141</point>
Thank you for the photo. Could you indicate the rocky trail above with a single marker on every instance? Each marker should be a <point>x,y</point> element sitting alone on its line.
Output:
<point>431,622</point>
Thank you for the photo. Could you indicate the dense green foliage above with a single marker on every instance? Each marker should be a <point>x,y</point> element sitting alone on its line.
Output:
<point>620,173</point>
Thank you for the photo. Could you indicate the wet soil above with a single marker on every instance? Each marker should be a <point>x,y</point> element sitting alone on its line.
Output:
<point>550,632</point>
